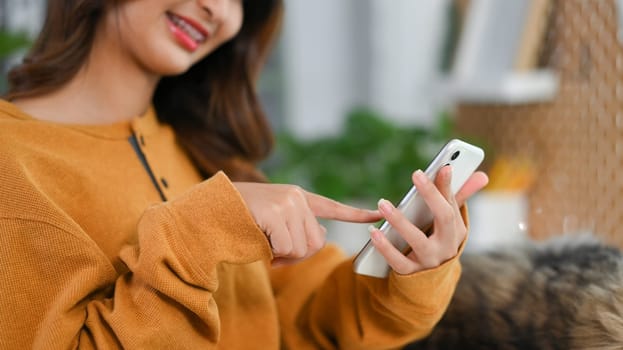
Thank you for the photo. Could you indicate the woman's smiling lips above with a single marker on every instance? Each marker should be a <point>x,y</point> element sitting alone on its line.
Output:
<point>188,33</point>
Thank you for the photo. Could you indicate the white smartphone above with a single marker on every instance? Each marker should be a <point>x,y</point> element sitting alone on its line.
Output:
<point>464,158</point>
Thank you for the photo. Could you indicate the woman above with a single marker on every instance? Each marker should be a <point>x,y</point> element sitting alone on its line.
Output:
<point>133,216</point>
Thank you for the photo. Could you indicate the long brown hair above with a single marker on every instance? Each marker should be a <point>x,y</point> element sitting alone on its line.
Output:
<point>213,107</point>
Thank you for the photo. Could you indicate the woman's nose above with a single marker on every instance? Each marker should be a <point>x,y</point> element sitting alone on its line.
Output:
<point>217,10</point>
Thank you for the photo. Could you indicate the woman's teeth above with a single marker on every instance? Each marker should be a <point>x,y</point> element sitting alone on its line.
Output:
<point>187,28</point>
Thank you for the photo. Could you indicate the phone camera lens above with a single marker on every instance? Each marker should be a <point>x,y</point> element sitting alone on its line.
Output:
<point>455,155</point>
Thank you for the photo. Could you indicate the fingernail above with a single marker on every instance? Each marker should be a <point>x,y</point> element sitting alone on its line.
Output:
<point>449,170</point>
<point>449,176</point>
<point>371,228</point>
<point>384,205</point>
<point>376,236</point>
<point>419,174</point>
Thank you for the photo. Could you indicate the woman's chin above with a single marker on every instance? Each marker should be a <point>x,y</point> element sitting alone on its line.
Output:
<point>173,69</point>
<point>175,72</point>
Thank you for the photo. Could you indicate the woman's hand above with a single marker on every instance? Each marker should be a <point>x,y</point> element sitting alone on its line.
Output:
<point>449,230</point>
<point>287,215</point>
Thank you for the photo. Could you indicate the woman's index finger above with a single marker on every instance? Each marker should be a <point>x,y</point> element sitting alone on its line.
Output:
<point>328,208</point>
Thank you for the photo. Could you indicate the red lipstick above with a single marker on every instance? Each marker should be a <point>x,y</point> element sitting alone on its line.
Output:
<point>186,31</point>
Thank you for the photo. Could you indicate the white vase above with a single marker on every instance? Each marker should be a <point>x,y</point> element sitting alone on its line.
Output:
<point>497,218</point>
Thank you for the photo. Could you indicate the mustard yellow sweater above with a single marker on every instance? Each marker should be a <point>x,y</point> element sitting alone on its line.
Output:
<point>109,239</point>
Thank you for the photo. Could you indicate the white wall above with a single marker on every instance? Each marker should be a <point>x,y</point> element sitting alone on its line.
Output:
<point>318,59</point>
<point>339,54</point>
<point>407,40</point>
<point>24,15</point>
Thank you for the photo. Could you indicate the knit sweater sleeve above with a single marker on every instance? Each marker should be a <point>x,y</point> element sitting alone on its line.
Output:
<point>65,293</point>
<point>324,304</point>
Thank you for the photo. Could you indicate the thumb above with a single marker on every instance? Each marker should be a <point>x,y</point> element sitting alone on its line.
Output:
<point>475,183</point>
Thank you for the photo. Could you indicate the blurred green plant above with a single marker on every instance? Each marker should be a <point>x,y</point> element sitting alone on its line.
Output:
<point>10,43</point>
<point>371,158</point>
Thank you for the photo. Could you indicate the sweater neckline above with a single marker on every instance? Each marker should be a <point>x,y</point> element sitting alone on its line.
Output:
<point>147,123</point>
